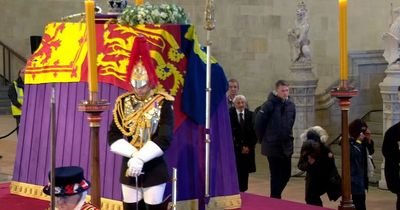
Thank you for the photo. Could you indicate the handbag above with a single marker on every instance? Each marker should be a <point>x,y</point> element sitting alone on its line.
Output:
<point>334,189</point>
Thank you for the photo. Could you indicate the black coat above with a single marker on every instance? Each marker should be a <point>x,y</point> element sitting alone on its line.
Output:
<point>391,152</point>
<point>274,126</point>
<point>358,165</point>
<point>243,136</point>
<point>322,176</point>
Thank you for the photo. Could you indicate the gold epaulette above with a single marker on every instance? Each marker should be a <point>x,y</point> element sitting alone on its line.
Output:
<point>167,96</point>
<point>120,97</point>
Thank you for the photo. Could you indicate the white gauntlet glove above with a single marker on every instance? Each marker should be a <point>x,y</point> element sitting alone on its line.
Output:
<point>148,152</point>
<point>124,148</point>
<point>135,166</point>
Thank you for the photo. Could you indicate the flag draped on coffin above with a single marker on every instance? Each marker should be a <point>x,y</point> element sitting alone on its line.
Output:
<point>180,66</point>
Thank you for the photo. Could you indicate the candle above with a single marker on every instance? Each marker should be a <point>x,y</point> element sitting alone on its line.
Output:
<point>91,42</point>
<point>138,2</point>
<point>343,39</point>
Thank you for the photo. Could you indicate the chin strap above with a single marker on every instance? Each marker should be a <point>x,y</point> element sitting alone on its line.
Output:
<point>149,151</point>
<point>124,148</point>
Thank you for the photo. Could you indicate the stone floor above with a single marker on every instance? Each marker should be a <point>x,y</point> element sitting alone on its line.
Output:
<point>258,184</point>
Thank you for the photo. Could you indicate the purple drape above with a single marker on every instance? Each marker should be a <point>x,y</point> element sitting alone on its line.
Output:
<point>186,153</point>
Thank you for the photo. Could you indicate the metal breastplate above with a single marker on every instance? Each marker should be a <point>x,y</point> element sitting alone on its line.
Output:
<point>145,121</point>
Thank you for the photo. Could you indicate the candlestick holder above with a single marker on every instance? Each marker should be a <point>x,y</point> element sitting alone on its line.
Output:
<point>94,109</point>
<point>344,93</point>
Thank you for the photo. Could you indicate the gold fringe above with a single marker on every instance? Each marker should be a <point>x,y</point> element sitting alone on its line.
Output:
<point>216,203</point>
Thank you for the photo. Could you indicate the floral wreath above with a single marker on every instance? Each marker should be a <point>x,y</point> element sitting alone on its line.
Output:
<point>153,14</point>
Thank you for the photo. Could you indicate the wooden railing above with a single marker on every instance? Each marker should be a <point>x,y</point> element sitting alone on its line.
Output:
<point>7,59</point>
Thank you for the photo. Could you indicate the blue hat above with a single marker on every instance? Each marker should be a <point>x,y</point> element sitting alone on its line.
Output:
<point>69,181</point>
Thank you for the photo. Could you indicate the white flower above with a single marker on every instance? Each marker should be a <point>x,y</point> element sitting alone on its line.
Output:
<point>153,14</point>
<point>163,15</point>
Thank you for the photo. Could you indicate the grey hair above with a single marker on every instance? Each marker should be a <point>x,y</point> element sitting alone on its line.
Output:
<point>239,97</point>
<point>323,135</point>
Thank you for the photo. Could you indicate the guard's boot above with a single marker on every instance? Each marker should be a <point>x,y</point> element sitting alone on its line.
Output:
<point>133,206</point>
<point>165,205</point>
<point>155,207</point>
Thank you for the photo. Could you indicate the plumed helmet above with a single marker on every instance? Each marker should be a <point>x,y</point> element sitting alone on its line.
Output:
<point>141,70</point>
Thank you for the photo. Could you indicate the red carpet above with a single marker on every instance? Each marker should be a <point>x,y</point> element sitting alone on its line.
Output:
<point>249,202</point>
<point>257,202</point>
<point>16,202</point>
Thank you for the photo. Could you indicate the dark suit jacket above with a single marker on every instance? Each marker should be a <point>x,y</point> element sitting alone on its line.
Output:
<point>243,136</point>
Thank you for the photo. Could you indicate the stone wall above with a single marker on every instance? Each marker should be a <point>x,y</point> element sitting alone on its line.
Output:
<point>250,39</point>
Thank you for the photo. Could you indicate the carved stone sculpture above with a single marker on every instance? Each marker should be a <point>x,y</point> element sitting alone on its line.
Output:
<point>391,39</point>
<point>298,36</point>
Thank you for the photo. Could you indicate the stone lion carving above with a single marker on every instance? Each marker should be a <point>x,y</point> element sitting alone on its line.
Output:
<point>391,39</point>
<point>298,36</point>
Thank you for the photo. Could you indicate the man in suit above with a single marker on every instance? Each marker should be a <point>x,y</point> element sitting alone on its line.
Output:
<point>244,139</point>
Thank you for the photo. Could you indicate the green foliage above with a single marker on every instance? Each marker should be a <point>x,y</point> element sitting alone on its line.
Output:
<point>153,14</point>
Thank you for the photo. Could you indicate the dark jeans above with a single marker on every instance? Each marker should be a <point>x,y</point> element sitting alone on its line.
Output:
<point>280,171</point>
<point>359,201</point>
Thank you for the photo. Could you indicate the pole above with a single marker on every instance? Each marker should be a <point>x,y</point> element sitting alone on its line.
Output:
<point>174,187</point>
<point>209,26</point>
<point>344,94</point>
<point>53,147</point>
<point>93,107</point>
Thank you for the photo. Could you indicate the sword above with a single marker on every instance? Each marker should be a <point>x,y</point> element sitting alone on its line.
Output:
<point>137,192</point>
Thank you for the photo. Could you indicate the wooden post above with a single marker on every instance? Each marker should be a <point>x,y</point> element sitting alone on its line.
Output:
<point>344,94</point>
<point>94,110</point>
<point>93,107</point>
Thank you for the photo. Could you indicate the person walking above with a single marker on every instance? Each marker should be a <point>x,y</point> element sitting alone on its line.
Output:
<point>317,160</point>
<point>274,127</point>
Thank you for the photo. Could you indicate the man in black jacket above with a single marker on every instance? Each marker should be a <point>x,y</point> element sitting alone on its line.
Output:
<point>244,140</point>
<point>273,126</point>
<point>391,152</point>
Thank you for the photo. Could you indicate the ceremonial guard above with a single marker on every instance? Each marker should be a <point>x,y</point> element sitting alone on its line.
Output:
<point>140,132</point>
<point>70,189</point>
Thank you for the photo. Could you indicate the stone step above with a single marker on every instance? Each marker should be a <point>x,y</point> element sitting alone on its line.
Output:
<point>375,127</point>
<point>375,116</point>
<point>5,110</point>
<point>4,101</point>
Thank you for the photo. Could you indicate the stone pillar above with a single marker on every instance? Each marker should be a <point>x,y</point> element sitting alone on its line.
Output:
<point>391,106</point>
<point>302,92</point>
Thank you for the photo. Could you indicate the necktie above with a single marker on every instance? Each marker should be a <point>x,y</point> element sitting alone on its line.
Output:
<point>241,120</point>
